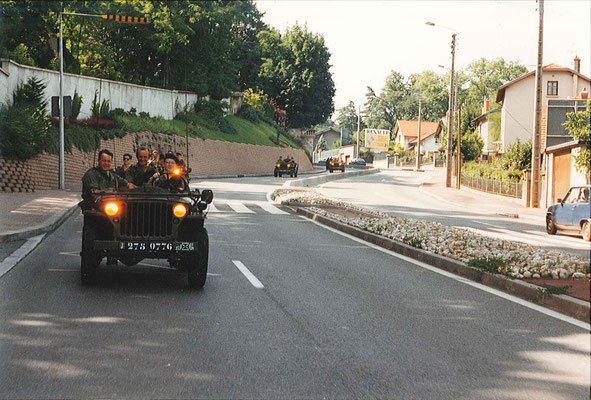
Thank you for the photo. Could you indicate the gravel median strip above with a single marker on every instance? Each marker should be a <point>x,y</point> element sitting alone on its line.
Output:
<point>512,259</point>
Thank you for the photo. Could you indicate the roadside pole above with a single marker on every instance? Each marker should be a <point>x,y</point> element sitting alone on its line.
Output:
<point>62,180</point>
<point>448,155</point>
<point>458,147</point>
<point>418,162</point>
<point>535,159</point>
<point>358,126</point>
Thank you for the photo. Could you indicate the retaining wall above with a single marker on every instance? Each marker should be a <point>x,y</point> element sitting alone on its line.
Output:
<point>207,157</point>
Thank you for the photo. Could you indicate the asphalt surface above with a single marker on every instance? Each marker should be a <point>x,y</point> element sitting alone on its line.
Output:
<point>334,319</point>
<point>398,193</point>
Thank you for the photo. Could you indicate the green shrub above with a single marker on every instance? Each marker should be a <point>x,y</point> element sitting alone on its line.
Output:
<point>76,105</point>
<point>24,125</point>
<point>226,127</point>
<point>489,264</point>
<point>249,114</point>
<point>490,171</point>
<point>99,110</point>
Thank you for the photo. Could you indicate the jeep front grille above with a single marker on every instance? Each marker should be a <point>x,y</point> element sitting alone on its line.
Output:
<point>143,220</point>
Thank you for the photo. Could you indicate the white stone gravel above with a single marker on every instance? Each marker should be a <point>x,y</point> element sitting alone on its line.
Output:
<point>521,260</point>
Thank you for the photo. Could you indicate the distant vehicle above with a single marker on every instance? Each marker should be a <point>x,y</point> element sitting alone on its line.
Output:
<point>572,213</point>
<point>333,164</point>
<point>322,160</point>
<point>286,167</point>
<point>137,224</point>
<point>357,161</point>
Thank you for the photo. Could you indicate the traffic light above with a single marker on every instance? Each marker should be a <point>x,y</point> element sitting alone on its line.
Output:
<point>126,19</point>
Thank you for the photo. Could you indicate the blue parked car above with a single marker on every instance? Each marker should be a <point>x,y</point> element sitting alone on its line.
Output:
<point>572,213</point>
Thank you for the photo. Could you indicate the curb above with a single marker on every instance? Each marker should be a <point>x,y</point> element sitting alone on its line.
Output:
<point>49,225</point>
<point>477,210</point>
<point>229,176</point>
<point>315,180</point>
<point>566,305</point>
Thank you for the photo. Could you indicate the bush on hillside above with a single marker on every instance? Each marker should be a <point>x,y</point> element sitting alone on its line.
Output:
<point>24,125</point>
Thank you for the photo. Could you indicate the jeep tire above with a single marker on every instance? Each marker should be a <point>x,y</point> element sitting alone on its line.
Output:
<point>196,264</point>
<point>586,231</point>
<point>90,260</point>
<point>550,227</point>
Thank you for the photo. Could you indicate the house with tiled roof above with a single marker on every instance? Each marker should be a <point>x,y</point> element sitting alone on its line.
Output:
<point>517,99</point>
<point>406,132</point>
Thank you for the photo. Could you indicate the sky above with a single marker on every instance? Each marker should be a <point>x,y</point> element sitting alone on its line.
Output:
<point>369,39</point>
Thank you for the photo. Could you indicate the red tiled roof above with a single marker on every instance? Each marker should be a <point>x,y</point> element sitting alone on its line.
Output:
<point>408,128</point>
<point>549,67</point>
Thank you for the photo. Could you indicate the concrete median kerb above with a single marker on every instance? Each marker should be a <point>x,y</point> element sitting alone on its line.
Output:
<point>566,305</point>
<point>49,225</point>
<point>327,177</point>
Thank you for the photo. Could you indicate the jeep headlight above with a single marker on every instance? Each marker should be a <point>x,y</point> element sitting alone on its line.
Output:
<point>179,210</point>
<point>111,208</point>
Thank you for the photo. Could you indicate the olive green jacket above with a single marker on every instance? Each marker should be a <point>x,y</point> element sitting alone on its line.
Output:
<point>97,179</point>
<point>136,174</point>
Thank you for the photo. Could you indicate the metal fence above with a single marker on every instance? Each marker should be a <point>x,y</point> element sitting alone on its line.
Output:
<point>511,189</point>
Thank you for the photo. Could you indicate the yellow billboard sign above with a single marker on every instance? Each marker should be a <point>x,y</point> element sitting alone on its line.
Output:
<point>377,138</point>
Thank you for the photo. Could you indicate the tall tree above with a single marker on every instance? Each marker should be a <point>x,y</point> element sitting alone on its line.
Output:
<point>347,118</point>
<point>296,72</point>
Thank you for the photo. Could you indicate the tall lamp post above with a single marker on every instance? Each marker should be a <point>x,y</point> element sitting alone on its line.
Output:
<point>448,152</point>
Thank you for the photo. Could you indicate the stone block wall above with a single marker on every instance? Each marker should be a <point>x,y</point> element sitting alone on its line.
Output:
<point>207,157</point>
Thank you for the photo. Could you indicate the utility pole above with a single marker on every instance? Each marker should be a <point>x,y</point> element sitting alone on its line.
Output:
<point>535,158</point>
<point>62,179</point>
<point>418,165</point>
<point>358,127</point>
<point>448,153</point>
<point>458,147</point>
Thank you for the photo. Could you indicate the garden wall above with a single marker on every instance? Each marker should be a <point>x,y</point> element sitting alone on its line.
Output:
<point>207,157</point>
<point>156,102</point>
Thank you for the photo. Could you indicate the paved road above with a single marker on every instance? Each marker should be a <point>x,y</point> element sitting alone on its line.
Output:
<point>334,318</point>
<point>398,192</point>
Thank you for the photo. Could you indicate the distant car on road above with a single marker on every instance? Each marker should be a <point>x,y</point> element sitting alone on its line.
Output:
<point>357,161</point>
<point>572,213</point>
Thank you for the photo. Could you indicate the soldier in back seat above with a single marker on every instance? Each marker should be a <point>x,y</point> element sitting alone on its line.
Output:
<point>172,179</point>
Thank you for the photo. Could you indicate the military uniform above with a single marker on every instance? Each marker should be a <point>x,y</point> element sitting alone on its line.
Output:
<point>97,179</point>
<point>174,183</point>
<point>122,171</point>
<point>138,175</point>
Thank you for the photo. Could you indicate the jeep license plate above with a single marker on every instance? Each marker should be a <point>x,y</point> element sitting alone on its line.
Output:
<point>157,246</point>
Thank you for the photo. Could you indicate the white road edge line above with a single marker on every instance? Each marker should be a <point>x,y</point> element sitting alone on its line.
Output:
<point>9,262</point>
<point>253,279</point>
<point>495,292</point>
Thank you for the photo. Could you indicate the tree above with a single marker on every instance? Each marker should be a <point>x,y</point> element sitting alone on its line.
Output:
<point>296,72</point>
<point>578,125</point>
<point>484,78</point>
<point>347,118</point>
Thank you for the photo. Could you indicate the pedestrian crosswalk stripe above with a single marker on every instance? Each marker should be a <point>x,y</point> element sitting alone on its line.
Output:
<point>271,208</point>
<point>212,209</point>
<point>240,208</point>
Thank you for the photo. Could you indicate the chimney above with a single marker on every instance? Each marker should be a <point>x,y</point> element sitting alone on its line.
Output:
<point>577,64</point>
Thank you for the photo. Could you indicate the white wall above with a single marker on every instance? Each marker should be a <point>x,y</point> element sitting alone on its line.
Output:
<point>157,102</point>
<point>429,145</point>
<point>517,113</point>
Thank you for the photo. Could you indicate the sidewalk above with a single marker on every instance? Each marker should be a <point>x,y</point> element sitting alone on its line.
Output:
<point>24,215</point>
<point>477,201</point>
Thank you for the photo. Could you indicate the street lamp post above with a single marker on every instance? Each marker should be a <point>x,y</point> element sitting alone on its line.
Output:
<point>448,152</point>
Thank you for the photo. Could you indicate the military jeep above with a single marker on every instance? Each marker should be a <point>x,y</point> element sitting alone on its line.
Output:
<point>147,222</point>
<point>286,167</point>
